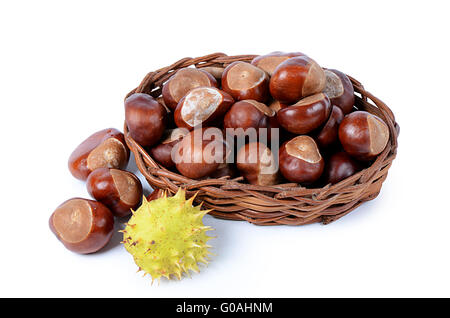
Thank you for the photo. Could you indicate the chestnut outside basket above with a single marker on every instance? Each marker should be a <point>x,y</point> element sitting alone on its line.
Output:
<point>288,204</point>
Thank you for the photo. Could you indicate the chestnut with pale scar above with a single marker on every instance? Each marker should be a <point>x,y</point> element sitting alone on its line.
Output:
<point>363,135</point>
<point>83,226</point>
<point>306,115</point>
<point>296,78</point>
<point>200,152</point>
<point>202,106</point>
<point>119,190</point>
<point>339,89</point>
<point>73,221</point>
<point>300,160</point>
<point>105,148</point>
<point>245,81</point>
<point>110,153</point>
<point>182,82</point>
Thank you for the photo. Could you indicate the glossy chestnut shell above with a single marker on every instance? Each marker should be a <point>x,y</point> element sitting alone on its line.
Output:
<point>300,160</point>
<point>119,190</point>
<point>201,152</point>
<point>245,81</point>
<point>340,166</point>
<point>340,90</point>
<point>105,148</point>
<point>202,106</point>
<point>247,114</point>
<point>182,82</point>
<point>306,115</point>
<point>296,78</point>
<point>146,119</point>
<point>363,135</point>
<point>83,226</point>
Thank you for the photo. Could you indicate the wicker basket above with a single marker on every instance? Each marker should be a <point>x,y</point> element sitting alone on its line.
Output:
<point>288,204</point>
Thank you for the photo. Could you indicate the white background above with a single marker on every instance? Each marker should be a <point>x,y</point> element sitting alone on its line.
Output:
<point>66,66</point>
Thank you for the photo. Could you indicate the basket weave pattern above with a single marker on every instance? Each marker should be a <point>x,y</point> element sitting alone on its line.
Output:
<point>289,203</point>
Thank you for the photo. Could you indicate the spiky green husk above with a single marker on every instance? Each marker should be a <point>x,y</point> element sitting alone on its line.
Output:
<point>167,237</point>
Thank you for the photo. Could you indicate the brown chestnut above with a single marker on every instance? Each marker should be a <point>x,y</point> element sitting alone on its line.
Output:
<point>269,62</point>
<point>145,118</point>
<point>363,135</point>
<point>83,226</point>
<point>328,134</point>
<point>340,166</point>
<point>245,81</point>
<point>119,190</point>
<point>300,160</point>
<point>247,114</point>
<point>339,89</point>
<point>306,115</point>
<point>182,82</point>
<point>257,164</point>
<point>202,106</point>
<point>296,78</point>
<point>104,149</point>
<point>162,153</point>
<point>200,152</point>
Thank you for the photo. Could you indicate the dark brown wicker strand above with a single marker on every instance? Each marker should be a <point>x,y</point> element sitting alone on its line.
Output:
<point>288,204</point>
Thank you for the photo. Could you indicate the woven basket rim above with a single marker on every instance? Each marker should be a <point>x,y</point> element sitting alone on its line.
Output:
<point>287,203</point>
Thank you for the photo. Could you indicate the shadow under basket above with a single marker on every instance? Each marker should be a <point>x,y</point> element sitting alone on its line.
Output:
<point>288,204</point>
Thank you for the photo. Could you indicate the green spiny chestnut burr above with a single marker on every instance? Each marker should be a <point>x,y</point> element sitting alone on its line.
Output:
<point>167,236</point>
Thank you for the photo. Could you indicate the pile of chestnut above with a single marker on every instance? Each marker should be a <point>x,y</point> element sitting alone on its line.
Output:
<point>280,98</point>
<point>85,226</point>
<point>323,138</point>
